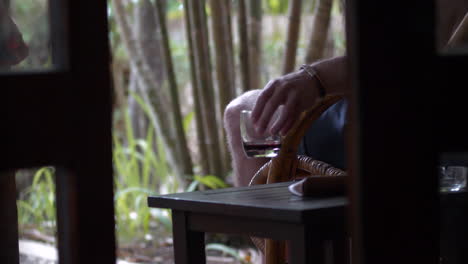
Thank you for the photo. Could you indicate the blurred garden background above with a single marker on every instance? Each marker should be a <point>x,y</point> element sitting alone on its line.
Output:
<point>175,65</point>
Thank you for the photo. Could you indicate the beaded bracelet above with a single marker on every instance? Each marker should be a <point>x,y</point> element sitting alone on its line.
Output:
<point>313,74</point>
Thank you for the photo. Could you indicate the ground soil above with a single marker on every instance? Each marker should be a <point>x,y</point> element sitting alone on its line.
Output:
<point>34,252</point>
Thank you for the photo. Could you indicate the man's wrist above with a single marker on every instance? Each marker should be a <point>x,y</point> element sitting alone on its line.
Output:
<point>310,71</point>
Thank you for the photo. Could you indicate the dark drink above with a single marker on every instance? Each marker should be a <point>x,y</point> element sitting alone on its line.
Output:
<point>257,145</point>
<point>267,150</point>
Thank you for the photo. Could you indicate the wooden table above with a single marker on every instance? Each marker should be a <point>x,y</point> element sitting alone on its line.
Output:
<point>268,210</point>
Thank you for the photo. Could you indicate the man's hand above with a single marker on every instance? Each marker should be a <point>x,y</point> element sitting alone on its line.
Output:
<point>295,91</point>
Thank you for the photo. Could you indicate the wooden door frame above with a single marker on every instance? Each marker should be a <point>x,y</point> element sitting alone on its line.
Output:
<point>64,118</point>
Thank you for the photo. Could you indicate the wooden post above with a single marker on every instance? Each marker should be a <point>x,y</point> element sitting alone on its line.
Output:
<point>9,251</point>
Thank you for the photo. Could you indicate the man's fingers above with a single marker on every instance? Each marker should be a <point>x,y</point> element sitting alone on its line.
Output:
<point>288,117</point>
<point>270,107</point>
<point>286,114</point>
<point>287,126</point>
<point>262,99</point>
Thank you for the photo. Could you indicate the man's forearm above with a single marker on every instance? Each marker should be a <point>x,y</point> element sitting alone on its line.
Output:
<point>333,73</point>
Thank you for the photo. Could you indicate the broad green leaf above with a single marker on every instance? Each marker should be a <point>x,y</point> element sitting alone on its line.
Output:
<point>211,181</point>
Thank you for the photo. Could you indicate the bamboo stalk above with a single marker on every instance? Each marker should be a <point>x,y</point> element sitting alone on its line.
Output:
<point>244,47</point>
<point>320,31</point>
<point>195,90</point>
<point>217,161</point>
<point>182,147</point>
<point>227,10</point>
<point>255,40</point>
<point>223,67</point>
<point>203,67</point>
<point>293,35</point>
<point>231,93</point>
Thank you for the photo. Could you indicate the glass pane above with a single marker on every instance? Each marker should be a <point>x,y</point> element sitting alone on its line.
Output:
<point>37,225</point>
<point>453,171</point>
<point>142,158</point>
<point>452,26</point>
<point>25,35</point>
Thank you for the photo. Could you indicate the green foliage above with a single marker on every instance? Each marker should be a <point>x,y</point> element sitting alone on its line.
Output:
<point>272,46</point>
<point>141,170</point>
<point>209,181</point>
<point>175,9</point>
<point>36,204</point>
<point>139,173</point>
<point>226,250</point>
<point>188,120</point>
<point>276,7</point>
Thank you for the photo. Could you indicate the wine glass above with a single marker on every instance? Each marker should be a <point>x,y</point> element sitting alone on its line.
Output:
<point>452,178</point>
<point>258,145</point>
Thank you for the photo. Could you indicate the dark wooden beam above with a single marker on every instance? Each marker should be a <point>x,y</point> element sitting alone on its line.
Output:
<point>392,55</point>
<point>9,251</point>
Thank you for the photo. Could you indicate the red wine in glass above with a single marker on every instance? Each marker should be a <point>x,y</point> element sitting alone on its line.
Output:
<point>262,149</point>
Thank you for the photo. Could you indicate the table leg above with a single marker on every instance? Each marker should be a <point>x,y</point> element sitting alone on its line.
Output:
<point>189,245</point>
<point>306,249</point>
<point>9,251</point>
<point>341,251</point>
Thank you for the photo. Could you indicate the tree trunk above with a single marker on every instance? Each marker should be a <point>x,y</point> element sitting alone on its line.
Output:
<point>137,115</point>
<point>149,43</point>
<point>182,148</point>
<point>202,147</point>
<point>293,35</point>
<point>223,69</point>
<point>319,31</point>
<point>155,110</point>
<point>118,84</point>
<point>244,46</point>
<point>206,93</point>
<point>255,47</point>
<point>149,46</point>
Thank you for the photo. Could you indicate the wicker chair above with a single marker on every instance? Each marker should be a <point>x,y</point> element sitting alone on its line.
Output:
<point>289,166</point>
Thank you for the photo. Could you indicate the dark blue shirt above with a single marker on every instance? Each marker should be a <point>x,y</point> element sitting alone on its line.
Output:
<point>324,140</point>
